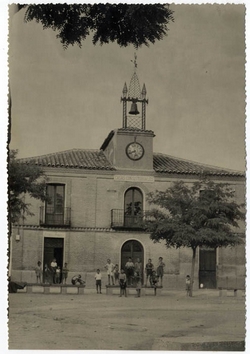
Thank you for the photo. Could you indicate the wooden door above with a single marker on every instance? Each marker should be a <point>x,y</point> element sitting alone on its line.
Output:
<point>133,249</point>
<point>207,268</point>
<point>53,248</point>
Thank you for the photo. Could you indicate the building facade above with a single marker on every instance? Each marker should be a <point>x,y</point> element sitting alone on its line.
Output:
<point>97,202</point>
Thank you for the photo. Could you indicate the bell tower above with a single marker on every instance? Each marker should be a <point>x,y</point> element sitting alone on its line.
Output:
<point>130,148</point>
<point>134,118</point>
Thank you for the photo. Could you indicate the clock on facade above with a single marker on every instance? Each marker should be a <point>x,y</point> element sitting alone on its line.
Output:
<point>135,151</point>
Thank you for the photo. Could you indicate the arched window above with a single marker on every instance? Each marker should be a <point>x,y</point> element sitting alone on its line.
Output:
<point>133,207</point>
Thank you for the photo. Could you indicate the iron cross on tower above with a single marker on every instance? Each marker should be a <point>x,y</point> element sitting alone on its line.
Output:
<point>134,94</point>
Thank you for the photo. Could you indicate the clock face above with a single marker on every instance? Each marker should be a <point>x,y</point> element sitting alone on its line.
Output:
<point>135,151</point>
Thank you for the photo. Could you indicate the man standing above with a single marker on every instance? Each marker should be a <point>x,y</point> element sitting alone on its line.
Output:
<point>53,266</point>
<point>149,270</point>
<point>130,268</point>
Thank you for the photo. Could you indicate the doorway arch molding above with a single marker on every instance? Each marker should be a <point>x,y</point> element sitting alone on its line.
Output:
<point>131,239</point>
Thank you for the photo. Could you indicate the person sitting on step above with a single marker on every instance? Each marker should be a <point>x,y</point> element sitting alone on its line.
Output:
<point>77,280</point>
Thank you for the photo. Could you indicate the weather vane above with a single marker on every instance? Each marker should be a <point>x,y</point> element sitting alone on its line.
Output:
<point>134,61</point>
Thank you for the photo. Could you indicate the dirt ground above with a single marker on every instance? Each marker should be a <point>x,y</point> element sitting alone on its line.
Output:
<point>99,321</point>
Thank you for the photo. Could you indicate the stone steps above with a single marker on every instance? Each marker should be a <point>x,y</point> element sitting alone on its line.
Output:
<point>53,289</point>
<point>237,292</point>
<point>132,290</point>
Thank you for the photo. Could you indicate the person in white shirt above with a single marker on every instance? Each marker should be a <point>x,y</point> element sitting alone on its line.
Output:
<point>58,275</point>
<point>110,271</point>
<point>53,266</point>
<point>130,270</point>
<point>98,281</point>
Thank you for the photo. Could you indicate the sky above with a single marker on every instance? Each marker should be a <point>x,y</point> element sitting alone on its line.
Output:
<point>195,80</point>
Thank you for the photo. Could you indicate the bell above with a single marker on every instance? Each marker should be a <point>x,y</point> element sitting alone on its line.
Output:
<point>134,109</point>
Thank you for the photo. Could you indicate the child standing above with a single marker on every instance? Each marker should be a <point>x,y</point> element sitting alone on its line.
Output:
<point>138,267</point>
<point>110,271</point>
<point>98,280</point>
<point>160,269</point>
<point>188,285</point>
<point>138,285</point>
<point>46,274</point>
<point>39,272</point>
<point>154,280</point>
<point>116,274</point>
<point>57,276</point>
<point>149,269</point>
<point>123,283</point>
<point>53,266</point>
<point>65,272</point>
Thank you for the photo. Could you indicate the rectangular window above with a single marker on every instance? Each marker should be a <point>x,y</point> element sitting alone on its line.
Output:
<point>54,211</point>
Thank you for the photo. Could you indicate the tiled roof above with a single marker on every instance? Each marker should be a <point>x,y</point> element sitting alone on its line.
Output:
<point>169,164</point>
<point>96,160</point>
<point>75,158</point>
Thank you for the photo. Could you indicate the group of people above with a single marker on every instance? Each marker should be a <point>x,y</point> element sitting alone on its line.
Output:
<point>131,275</point>
<point>152,275</point>
<point>114,276</point>
<point>52,273</point>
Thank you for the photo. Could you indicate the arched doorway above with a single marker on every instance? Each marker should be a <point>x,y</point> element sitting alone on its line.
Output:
<point>133,249</point>
<point>133,207</point>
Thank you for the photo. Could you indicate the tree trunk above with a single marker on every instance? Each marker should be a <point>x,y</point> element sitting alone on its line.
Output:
<point>192,271</point>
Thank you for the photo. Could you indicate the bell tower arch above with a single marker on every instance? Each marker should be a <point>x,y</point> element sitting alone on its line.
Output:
<point>134,118</point>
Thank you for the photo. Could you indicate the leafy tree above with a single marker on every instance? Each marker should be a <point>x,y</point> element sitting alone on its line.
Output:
<point>204,214</point>
<point>122,23</point>
<point>23,179</point>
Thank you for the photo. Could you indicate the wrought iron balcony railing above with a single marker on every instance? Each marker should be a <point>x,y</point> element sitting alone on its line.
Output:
<point>48,217</point>
<point>121,220</point>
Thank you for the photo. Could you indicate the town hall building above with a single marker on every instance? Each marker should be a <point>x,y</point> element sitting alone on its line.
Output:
<point>98,199</point>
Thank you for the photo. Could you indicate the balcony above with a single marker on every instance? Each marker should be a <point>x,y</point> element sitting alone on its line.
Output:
<point>120,220</point>
<point>50,217</point>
